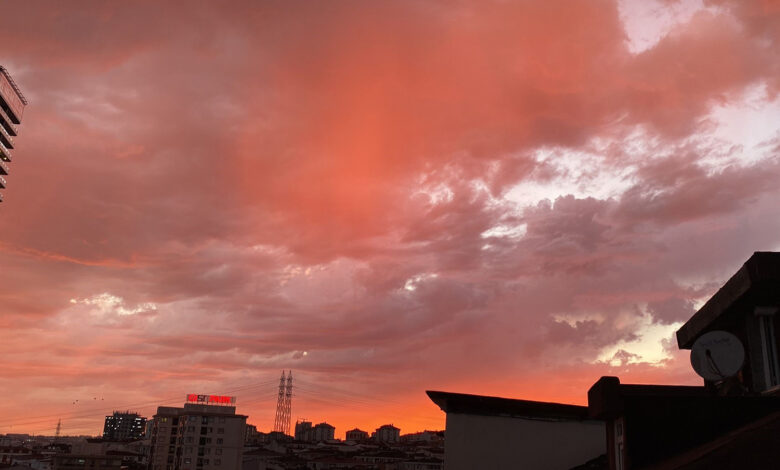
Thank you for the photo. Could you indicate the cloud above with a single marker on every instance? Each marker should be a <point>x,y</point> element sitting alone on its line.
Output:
<point>403,191</point>
<point>107,304</point>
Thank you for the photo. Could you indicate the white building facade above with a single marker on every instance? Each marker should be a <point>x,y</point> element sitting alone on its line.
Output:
<point>505,434</point>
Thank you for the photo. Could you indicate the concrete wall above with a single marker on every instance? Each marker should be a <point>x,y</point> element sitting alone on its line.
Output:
<point>475,442</point>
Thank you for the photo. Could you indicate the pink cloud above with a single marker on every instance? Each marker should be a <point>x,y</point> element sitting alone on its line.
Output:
<point>338,180</point>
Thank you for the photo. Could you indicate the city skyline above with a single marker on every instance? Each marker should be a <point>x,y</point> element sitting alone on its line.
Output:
<point>497,198</point>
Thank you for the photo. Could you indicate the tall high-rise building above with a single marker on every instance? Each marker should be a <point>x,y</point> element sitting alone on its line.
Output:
<point>124,426</point>
<point>205,434</point>
<point>12,103</point>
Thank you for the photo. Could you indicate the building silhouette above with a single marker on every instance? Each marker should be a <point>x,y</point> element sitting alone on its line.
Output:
<point>304,431</point>
<point>731,421</point>
<point>356,435</point>
<point>121,426</point>
<point>12,104</point>
<point>387,433</point>
<point>197,436</point>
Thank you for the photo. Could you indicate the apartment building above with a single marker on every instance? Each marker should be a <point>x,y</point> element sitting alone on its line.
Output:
<point>201,435</point>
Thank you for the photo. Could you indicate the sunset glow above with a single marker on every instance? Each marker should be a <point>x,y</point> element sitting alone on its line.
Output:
<point>493,197</point>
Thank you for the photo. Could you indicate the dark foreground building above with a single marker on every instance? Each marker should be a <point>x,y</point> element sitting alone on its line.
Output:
<point>732,421</point>
<point>12,104</point>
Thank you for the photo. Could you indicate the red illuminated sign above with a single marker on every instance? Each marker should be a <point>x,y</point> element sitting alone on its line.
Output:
<point>211,399</point>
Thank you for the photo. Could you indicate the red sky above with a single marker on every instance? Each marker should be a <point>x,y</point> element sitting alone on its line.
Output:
<point>504,198</point>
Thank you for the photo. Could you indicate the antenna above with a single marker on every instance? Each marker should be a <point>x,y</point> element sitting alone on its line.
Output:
<point>717,355</point>
<point>284,404</point>
<point>288,402</point>
<point>57,432</point>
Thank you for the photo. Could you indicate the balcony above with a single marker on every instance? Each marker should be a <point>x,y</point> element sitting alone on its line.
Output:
<point>3,168</point>
<point>11,99</point>
<point>5,138</point>
<point>2,182</point>
<point>5,154</point>
<point>6,123</point>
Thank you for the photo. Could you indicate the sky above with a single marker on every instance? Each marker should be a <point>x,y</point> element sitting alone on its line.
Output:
<point>508,198</point>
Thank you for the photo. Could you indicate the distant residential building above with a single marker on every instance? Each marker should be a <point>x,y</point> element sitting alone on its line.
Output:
<point>8,454</point>
<point>506,434</point>
<point>357,435</point>
<point>134,453</point>
<point>86,462</point>
<point>261,459</point>
<point>425,463</point>
<point>303,430</point>
<point>12,104</point>
<point>387,434</point>
<point>387,458</point>
<point>249,432</point>
<point>277,436</point>
<point>59,447</point>
<point>323,432</point>
<point>198,436</point>
<point>34,461</point>
<point>123,426</point>
<point>253,437</point>
<point>423,436</point>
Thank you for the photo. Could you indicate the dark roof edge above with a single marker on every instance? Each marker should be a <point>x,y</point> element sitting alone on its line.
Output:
<point>751,272</point>
<point>462,403</point>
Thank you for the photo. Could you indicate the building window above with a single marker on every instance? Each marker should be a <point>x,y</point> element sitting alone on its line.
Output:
<point>219,441</point>
<point>217,462</point>
<point>218,451</point>
<point>766,326</point>
<point>220,430</point>
<point>187,460</point>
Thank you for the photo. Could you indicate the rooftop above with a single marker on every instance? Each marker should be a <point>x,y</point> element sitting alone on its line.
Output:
<point>754,284</point>
<point>10,79</point>
<point>495,406</point>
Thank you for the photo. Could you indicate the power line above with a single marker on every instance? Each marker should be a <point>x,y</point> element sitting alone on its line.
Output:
<point>30,420</point>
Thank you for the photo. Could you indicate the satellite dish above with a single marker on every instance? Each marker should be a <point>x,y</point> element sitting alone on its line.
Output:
<point>717,355</point>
